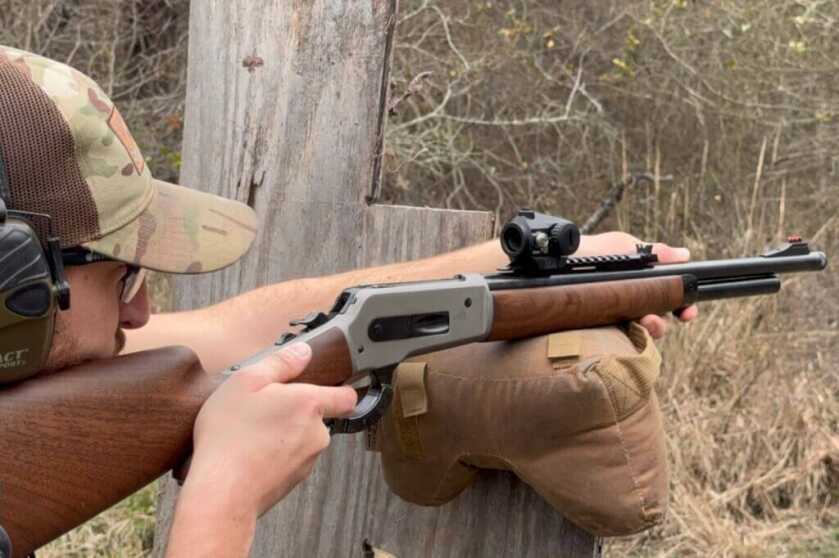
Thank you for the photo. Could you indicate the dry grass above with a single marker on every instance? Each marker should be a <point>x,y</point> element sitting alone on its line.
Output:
<point>750,399</point>
<point>750,394</point>
<point>126,531</point>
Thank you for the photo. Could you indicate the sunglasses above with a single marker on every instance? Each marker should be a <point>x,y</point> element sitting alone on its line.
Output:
<point>131,281</point>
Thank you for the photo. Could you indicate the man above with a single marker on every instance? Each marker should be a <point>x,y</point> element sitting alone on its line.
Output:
<point>69,154</point>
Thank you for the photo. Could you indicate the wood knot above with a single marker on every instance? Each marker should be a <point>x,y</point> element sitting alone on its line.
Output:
<point>252,62</point>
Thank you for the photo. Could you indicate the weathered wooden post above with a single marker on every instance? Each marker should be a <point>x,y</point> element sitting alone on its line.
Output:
<point>285,110</point>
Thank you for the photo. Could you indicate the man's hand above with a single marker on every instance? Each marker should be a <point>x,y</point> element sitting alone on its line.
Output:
<point>623,243</point>
<point>255,438</point>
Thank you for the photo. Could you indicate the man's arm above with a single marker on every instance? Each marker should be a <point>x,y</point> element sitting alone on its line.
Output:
<point>231,331</point>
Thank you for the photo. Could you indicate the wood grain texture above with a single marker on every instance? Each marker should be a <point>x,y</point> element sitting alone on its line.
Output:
<point>519,313</point>
<point>296,137</point>
<point>402,233</point>
<point>300,139</point>
<point>331,363</point>
<point>103,431</point>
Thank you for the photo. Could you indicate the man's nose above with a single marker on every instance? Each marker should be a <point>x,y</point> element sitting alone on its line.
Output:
<point>135,314</point>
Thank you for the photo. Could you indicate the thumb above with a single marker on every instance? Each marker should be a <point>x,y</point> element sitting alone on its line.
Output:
<point>281,366</point>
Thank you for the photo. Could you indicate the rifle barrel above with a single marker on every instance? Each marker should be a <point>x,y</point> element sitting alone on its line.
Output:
<point>738,269</point>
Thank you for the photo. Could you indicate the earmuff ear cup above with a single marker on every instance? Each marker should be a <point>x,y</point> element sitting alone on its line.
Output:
<point>27,302</point>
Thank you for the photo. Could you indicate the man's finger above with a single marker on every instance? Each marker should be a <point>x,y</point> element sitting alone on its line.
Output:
<point>655,325</point>
<point>330,402</point>
<point>339,401</point>
<point>281,366</point>
<point>669,254</point>
<point>688,313</point>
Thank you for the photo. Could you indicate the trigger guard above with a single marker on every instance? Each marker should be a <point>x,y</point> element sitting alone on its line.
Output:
<point>367,412</point>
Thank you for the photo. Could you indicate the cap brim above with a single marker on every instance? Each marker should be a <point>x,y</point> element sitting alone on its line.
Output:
<point>182,231</point>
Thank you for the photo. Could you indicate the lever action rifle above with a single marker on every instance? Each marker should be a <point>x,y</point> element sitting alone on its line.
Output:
<point>76,442</point>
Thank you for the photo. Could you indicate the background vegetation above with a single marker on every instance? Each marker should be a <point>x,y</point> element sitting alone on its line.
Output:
<point>731,106</point>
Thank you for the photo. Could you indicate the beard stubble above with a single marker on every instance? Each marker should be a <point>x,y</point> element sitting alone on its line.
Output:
<point>66,352</point>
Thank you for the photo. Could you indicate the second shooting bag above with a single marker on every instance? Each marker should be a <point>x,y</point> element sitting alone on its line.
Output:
<point>573,414</point>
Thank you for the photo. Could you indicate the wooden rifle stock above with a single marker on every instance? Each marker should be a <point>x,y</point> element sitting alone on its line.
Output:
<point>519,313</point>
<point>78,441</point>
<point>74,443</point>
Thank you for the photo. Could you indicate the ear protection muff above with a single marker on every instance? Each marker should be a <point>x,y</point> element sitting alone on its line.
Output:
<point>32,289</point>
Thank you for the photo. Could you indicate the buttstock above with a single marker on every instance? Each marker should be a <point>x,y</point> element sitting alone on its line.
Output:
<point>78,441</point>
<point>519,313</point>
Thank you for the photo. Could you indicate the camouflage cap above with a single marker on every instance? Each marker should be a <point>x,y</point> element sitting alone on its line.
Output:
<point>69,154</point>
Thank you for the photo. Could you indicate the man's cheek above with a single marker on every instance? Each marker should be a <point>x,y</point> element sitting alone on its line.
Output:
<point>119,341</point>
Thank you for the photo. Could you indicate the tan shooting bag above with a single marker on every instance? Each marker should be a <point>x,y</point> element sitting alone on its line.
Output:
<point>572,414</point>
